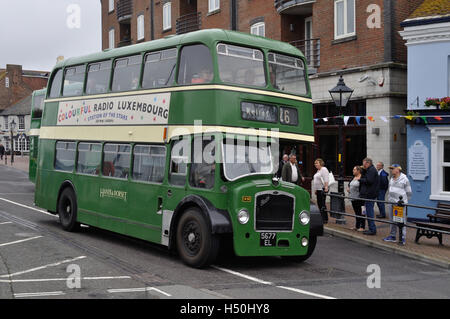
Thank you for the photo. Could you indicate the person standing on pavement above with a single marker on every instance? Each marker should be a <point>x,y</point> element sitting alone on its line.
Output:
<point>291,172</point>
<point>369,190</point>
<point>353,190</point>
<point>399,185</point>
<point>2,151</point>
<point>384,185</point>
<point>283,161</point>
<point>320,187</point>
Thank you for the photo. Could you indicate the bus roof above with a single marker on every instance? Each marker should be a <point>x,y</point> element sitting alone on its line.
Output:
<point>207,36</point>
<point>40,92</point>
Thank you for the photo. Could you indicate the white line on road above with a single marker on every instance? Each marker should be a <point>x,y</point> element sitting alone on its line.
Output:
<point>26,206</point>
<point>19,241</point>
<point>39,294</point>
<point>9,281</point>
<point>42,267</point>
<point>304,292</point>
<point>243,276</point>
<point>4,223</point>
<point>124,290</point>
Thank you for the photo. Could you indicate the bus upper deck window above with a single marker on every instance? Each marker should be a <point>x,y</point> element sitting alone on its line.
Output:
<point>159,69</point>
<point>127,73</point>
<point>241,65</point>
<point>73,80</point>
<point>56,84</point>
<point>195,65</point>
<point>98,77</point>
<point>287,73</point>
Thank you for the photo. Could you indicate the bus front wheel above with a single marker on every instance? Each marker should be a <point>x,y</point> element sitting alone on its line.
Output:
<point>196,245</point>
<point>67,210</point>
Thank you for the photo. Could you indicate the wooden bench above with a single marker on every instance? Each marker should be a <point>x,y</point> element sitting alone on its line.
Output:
<point>439,221</point>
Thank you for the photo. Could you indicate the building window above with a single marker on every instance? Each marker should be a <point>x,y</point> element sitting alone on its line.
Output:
<point>213,5</point>
<point>21,122</point>
<point>344,18</point>
<point>258,29</point>
<point>167,16</point>
<point>111,6</point>
<point>111,38</point>
<point>5,121</point>
<point>140,27</point>
<point>440,163</point>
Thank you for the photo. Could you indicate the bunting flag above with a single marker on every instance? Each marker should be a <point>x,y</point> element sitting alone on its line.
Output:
<point>385,119</point>
<point>346,118</point>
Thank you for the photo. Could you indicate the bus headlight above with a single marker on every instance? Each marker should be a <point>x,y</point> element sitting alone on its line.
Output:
<point>304,217</point>
<point>243,216</point>
<point>304,241</point>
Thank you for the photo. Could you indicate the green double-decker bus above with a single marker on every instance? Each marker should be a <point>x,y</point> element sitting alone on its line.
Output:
<point>176,141</point>
<point>37,106</point>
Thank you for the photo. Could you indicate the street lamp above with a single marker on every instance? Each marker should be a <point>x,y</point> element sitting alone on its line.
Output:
<point>341,94</point>
<point>12,125</point>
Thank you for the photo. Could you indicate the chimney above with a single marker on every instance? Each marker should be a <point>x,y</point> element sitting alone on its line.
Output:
<point>14,74</point>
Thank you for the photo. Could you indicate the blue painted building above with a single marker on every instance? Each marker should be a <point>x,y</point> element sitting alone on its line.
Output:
<point>427,36</point>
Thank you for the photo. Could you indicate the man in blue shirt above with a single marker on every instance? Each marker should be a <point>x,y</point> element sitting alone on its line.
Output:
<point>384,185</point>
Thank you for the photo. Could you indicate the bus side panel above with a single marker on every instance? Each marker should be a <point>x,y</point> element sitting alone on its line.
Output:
<point>46,192</point>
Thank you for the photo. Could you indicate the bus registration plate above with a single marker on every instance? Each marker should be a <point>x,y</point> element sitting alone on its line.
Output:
<point>268,239</point>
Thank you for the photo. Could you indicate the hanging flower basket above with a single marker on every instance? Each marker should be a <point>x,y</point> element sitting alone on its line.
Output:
<point>443,103</point>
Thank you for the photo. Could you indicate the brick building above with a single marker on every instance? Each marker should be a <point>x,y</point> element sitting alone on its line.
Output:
<point>356,38</point>
<point>15,84</point>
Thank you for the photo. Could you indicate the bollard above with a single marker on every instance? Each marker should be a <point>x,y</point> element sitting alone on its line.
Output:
<point>399,218</point>
<point>337,205</point>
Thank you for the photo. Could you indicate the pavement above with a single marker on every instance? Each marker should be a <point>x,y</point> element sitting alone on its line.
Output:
<point>427,250</point>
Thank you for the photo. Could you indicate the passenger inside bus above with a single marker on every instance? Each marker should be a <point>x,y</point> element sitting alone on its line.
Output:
<point>205,76</point>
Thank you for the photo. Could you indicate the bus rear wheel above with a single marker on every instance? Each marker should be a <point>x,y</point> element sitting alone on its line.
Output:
<point>196,245</point>
<point>67,210</point>
<point>311,247</point>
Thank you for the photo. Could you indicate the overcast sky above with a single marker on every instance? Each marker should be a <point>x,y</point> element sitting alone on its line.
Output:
<point>34,33</point>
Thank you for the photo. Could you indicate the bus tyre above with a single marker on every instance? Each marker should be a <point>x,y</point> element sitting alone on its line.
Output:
<point>311,247</point>
<point>196,245</point>
<point>67,210</point>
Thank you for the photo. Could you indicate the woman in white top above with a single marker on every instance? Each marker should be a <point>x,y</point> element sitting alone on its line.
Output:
<point>320,186</point>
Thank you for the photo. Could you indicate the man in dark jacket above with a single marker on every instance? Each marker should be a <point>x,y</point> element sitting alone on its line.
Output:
<point>2,151</point>
<point>369,190</point>
<point>384,185</point>
<point>291,172</point>
<point>284,160</point>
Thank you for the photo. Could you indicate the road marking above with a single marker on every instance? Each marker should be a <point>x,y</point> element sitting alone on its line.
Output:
<point>39,294</point>
<point>304,292</point>
<point>243,275</point>
<point>5,223</point>
<point>125,290</point>
<point>26,206</point>
<point>19,241</point>
<point>42,267</point>
<point>9,281</point>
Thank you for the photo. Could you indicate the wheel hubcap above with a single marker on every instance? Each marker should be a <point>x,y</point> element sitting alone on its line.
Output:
<point>192,237</point>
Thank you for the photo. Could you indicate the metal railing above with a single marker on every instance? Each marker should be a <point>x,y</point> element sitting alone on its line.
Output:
<point>338,201</point>
<point>189,22</point>
<point>311,50</point>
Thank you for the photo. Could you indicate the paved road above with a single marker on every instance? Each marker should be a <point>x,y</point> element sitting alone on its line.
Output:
<point>39,260</point>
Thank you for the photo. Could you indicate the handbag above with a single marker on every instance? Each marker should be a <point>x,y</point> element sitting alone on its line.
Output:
<point>331,179</point>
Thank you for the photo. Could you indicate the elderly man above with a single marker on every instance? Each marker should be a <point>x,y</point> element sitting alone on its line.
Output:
<point>384,185</point>
<point>291,172</point>
<point>369,190</point>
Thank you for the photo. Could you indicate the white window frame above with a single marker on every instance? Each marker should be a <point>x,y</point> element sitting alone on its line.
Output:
<point>111,38</point>
<point>110,5</point>
<point>140,27</point>
<point>438,136</point>
<point>213,5</point>
<point>5,121</point>
<point>21,122</point>
<point>167,16</point>
<point>346,34</point>
<point>255,28</point>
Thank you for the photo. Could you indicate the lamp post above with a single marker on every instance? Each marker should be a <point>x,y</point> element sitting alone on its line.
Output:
<point>341,95</point>
<point>12,125</point>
